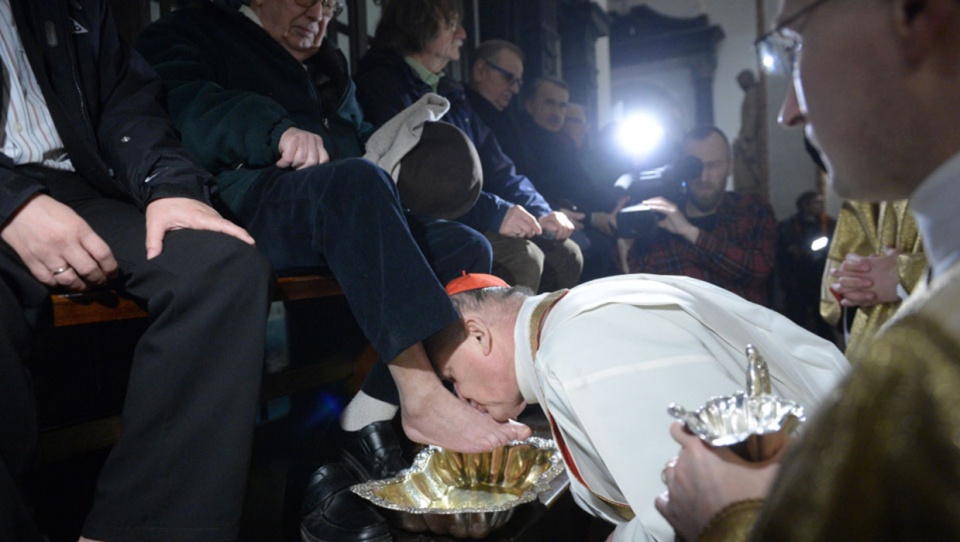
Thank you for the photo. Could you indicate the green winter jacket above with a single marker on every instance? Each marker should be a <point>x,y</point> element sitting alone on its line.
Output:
<point>232,90</point>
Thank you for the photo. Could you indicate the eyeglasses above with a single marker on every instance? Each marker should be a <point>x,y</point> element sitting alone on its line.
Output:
<point>331,8</point>
<point>508,76</point>
<point>779,48</point>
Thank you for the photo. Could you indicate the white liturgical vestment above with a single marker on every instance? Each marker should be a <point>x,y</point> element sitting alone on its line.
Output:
<point>613,353</point>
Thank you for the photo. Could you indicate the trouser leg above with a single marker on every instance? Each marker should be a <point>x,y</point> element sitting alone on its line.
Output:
<point>24,306</point>
<point>562,264</point>
<point>450,248</point>
<point>519,262</point>
<point>178,471</point>
<point>347,216</point>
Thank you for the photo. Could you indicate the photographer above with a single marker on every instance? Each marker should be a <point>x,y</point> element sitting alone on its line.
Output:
<point>724,238</point>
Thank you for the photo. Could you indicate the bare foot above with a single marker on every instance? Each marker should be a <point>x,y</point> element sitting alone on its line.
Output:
<point>82,539</point>
<point>433,415</point>
<point>441,419</point>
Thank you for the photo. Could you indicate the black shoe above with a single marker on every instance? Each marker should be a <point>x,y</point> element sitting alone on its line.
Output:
<point>333,513</point>
<point>373,452</point>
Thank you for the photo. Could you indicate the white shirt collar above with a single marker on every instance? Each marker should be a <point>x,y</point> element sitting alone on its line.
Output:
<point>934,205</point>
<point>523,356</point>
<point>252,15</point>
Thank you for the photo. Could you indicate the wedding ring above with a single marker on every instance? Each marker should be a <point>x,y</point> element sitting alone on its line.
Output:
<point>60,270</point>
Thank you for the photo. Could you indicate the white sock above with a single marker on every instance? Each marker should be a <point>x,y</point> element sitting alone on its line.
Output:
<point>363,410</point>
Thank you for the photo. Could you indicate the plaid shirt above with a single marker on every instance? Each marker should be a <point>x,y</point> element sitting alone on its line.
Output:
<point>737,254</point>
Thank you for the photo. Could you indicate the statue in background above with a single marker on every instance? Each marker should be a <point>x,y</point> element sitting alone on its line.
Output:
<point>748,159</point>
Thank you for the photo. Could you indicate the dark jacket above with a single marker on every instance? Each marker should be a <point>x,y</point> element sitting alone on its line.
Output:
<point>503,124</point>
<point>386,85</point>
<point>547,158</point>
<point>232,90</point>
<point>105,103</point>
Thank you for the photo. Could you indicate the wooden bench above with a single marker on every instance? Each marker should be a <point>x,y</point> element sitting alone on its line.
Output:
<point>91,308</point>
<point>110,306</point>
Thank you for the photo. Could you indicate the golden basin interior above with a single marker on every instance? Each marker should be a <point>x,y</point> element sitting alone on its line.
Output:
<point>446,489</point>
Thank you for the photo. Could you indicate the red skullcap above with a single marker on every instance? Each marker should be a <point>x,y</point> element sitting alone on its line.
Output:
<point>474,281</point>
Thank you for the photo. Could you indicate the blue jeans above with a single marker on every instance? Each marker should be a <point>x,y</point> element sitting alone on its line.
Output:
<point>347,216</point>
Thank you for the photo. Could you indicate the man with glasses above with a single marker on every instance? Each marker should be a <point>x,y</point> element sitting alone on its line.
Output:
<point>495,78</point>
<point>266,103</point>
<point>875,84</point>
<point>414,42</point>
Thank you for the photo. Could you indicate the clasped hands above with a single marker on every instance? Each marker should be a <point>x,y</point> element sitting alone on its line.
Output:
<point>518,222</point>
<point>865,281</point>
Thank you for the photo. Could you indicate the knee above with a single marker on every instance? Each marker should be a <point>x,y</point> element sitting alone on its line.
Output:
<point>521,254</point>
<point>477,251</point>
<point>363,177</point>
<point>229,264</point>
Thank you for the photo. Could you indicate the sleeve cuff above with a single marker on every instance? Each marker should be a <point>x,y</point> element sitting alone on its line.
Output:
<point>195,191</point>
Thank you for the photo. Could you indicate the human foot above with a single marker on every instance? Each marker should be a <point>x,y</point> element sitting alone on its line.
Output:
<point>432,415</point>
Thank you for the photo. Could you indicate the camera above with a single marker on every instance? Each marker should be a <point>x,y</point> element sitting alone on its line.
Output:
<point>668,182</point>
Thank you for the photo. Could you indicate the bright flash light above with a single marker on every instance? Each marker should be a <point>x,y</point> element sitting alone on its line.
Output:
<point>769,62</point>
<point>819,243</point>
<point>640,134</point>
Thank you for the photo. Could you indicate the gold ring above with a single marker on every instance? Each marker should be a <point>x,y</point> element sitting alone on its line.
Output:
<point>60,270</point>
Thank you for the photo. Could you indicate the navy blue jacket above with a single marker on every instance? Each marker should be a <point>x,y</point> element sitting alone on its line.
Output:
<point>105,103</point>
<point>386,85</point>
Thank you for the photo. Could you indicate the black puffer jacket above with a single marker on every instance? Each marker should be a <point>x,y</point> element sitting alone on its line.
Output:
<point>105,102</point>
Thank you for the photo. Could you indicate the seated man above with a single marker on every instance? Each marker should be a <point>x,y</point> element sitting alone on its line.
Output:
<point>604,359</point>
<point>551,161</point>
<point>413,44</point>
<point>725,238</point>
<point>283,133</point>
<point>96,190</point>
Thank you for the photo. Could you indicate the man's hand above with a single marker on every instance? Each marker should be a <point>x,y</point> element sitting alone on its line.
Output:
<point>702,480</point>
<point>300,149</point>
<point>58,246</point>
<point>558,223</point>
<point>576,218</point>
<point>606,223</point>
<point>170,214</point>
<point>674,221</point>
<point>518,222</point>
<point>865,281</point>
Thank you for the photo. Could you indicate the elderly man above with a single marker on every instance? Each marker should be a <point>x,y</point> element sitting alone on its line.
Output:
<point>282,131</point>
<point>725,238</point>
<point>495,78</point>
<point>413,44</point>
<point>881,461</point>
<point>603,360</point>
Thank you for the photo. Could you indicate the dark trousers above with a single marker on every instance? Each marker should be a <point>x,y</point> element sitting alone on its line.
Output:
<point>450,249</point>
<point>178,471</point>
<point>347,216</point>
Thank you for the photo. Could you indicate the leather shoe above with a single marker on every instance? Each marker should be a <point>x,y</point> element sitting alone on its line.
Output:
<point>333,513</point>
<point>373,451</point>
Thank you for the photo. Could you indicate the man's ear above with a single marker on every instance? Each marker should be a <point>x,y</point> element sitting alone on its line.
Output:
<point>476,71</point>
<point>479,335</point>
<point>924,25</point>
